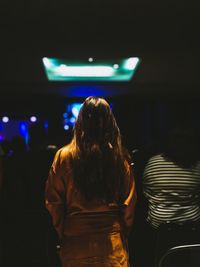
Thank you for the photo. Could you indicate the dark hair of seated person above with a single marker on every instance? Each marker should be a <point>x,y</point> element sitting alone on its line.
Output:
<point>182,147</point>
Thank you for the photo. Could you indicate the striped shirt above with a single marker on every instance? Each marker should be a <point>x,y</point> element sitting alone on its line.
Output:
<point>173,192</point>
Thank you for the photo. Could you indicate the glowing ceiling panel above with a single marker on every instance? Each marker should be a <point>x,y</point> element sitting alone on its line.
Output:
<point>90,69</point>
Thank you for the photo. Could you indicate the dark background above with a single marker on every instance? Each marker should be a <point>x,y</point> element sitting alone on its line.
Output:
<point>164,92</point>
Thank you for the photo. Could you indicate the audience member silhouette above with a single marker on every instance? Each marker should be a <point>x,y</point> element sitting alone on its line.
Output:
<point>40,157</point>
<point>15,174</point>
<point>26,222</point>
<point>1,171</point>
<point>171,187</point>
<point>6,147</point>
<point>1,185</point>
<point>15,196</point>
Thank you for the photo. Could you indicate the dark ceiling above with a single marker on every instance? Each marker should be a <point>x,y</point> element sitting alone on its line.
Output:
<point>164,35</point>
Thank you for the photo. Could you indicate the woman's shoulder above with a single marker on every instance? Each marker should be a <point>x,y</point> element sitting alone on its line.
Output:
<point>65,151</point>
<point>64,154</point>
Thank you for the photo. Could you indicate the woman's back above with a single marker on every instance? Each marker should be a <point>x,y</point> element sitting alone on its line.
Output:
<point>91,232</point>
<point>90,194</point>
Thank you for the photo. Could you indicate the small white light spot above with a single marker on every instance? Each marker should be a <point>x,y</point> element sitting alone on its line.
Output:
<point>66,127</point>
<point>90,59</point>
<point>115,66</point>
<point>5,119</point>
<point>33,119</point>
<point>131,63</point>
<point>46,62</point>
<point>75,111</point>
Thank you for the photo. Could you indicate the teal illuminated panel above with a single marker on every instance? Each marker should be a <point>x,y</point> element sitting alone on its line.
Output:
<point>90,69</point>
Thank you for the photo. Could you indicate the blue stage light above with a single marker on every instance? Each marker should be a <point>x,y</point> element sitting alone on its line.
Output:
<point>70,115</point>
<point>88,90</point>
<point>72,120</point>
<point>75,109</point>
<point>46,125</point>
<point>22,127</point>
<point>23,130</point>
<point>65,115</point>
<point>66,127</point>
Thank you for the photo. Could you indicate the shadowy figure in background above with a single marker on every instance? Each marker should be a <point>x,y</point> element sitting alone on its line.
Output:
<point>1,186</point>
<point>90,191</point>
<point>40,157</point>
<point>15,201</point>
<point>28,234</point>
<point>18,146</point>
<point>41,232</point>
<point>6,147</point>
<point>15,172</point>
<point>137,240</point>
<point>1,173</point>
<point>172,189</point>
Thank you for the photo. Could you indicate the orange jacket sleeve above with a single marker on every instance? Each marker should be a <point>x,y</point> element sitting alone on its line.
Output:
<point>55,194</point>
<point>129,202</point>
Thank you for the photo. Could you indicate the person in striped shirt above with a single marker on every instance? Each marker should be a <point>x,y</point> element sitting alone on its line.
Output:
<point>171,185</point>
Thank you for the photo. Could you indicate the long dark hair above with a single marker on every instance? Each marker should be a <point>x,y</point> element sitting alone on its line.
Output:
<point>100,163</point>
